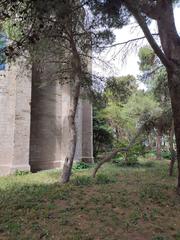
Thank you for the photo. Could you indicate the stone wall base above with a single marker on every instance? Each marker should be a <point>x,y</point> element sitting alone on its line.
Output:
<point>9,169</point>
<point>45,165</point>
<point>87,159</point>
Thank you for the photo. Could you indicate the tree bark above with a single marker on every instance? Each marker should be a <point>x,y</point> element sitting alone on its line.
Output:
<point>77,76</point>
<point>174,86</point>
<point>170,42</point>
<point>66,173</point>
<point>172,151</point>
<point>169,55</point>
<point>150,144</point>
<point>158,144</point>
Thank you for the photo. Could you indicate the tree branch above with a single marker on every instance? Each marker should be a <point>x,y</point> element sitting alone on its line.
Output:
<point>129,41</point>
<point>142,23</point>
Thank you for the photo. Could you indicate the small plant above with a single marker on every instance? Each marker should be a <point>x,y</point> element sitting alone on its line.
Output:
<point>135,216</point>
<point>149,164</point>
<point>21,173</point>
<point>81,166</point>
<point>118,160</point>
<point>150,154</point>
<point>131,161</point>
<point>177,236</point>
<point>104,179</point>
<point>153,192</point>
<point>160,237</point>
<point>82,180</point>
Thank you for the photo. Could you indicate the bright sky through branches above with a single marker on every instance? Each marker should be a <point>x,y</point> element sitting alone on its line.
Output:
<point>123,60</point>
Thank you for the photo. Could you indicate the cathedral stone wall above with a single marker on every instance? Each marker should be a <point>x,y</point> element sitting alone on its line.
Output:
<point>45,144</point>
<point>34,126</point>
<point>15,97</point>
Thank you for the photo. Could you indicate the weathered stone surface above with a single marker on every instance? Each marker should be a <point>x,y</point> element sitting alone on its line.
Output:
<point>15,96</point>
<point>45,144</point>
<point>87,132</point>
<point>7,120</point>
<point>38,123</point>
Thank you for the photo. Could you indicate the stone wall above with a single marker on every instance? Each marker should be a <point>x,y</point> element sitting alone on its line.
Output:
<point>34,120</point>
<point>45,143</point>
<point>15,97</point>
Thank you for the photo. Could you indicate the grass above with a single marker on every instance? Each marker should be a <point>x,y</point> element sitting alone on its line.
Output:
<point>123,203</point>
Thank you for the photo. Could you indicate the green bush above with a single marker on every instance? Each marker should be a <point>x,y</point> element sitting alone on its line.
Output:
<point>131,161</point>
<point>150,154</point>
<point>132,155</point>
<point>166,155</point>
<point>118,160</point>
<point>81,166</point>
<point>138,149</point>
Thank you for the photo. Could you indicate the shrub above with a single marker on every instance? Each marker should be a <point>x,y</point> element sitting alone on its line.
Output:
<point>150,154</point>
<point>166,155</point>
<point>81,166</point>
<point>131,161</point>
<point>149,164</point>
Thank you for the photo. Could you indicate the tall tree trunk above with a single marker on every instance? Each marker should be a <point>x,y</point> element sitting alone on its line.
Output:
<point>150,144</point>
<point>170,56</point>
<point>77,76</point>
<point>66,173</point>
<point>158,144</point>
<point>171,148</point>
<point>170,42</point>
<point>174,87</point>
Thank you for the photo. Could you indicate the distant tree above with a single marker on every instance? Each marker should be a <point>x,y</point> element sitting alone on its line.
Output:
<point>102,134</point>
<point>147,58</point>
<point>116,93</point>
<point>119,89</point>
<point>155,78</point>
<point>129,119</point>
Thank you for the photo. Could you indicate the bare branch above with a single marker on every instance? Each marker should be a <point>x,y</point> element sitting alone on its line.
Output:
<point>129,41</point>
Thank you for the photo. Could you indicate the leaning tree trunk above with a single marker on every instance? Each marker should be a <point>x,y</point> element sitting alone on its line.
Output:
<point>171,149</point>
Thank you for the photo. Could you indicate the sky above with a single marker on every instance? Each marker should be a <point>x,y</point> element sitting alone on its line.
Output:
<point>116,61</point>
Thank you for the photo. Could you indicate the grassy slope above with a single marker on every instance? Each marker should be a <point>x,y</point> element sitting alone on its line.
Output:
<point>123,203</point>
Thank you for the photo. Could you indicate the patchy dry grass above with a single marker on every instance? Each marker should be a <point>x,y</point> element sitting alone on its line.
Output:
<point>122,203</point>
